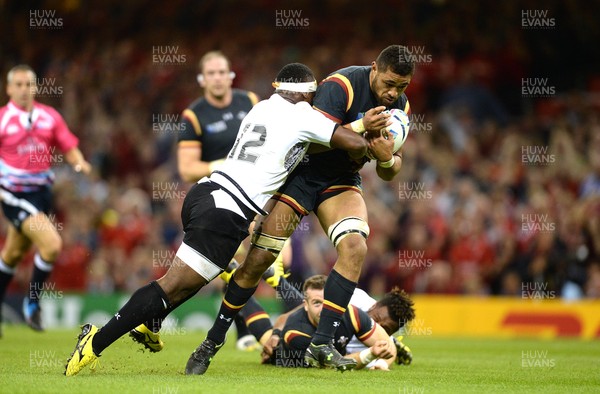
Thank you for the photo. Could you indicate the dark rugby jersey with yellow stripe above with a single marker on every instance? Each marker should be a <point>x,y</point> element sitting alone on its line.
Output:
<point>344,97</point>
<point>298,332</point>
<point>215,129</point>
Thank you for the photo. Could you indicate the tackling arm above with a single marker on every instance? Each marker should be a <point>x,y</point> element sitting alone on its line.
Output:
<point>346,139</point>
<point>380,345</point>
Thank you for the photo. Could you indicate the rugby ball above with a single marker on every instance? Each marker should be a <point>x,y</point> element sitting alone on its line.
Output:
<point>398,130</point>
<point>399,127</point>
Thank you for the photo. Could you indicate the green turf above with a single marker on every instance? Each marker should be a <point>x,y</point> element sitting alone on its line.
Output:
<point>33,363</point>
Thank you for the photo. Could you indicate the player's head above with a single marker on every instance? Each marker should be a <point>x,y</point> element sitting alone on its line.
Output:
<point>393,311</point>
<point>215,74</point>
<point>296,82</point>
<point>391,73</point>
<point>21,85</point>
<point>313,297</point>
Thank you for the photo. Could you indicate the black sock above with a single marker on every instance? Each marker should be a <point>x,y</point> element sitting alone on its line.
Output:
<point>41,272</point>
<point>291,296</point>
<point>241,327</point>
<point>240,324</point>
<point>256,319</point>
<point>235,298</point>
<point>337,293</point>
<point>146,302</point>
<point>155,324</point>
<point>6,275</point>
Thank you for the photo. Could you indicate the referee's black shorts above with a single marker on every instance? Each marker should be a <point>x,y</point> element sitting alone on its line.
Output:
<point>18,206</point>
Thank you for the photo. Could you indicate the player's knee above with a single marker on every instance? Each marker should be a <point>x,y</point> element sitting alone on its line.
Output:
<point>252,270</point>
<point>51,249</point>
<point>353,247</point>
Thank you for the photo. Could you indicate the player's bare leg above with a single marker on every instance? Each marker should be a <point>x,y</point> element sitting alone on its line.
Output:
<point>43,234</point>
<point>267,241</point>
<point>12,253</point>
<point>344,218</point>
<point>177,285</point>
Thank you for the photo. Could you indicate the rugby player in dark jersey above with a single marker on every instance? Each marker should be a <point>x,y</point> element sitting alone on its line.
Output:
<point>328,184</point>
<point>210,126</point>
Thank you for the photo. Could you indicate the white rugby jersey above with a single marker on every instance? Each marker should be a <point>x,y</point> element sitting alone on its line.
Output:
<point>272,140</point>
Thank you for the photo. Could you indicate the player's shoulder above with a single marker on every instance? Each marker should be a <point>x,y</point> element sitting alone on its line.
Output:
<point>48,110</point>
<point>197,104</point>
<point>351,73</point>
<point>298,321</point>
<point>247,96</point>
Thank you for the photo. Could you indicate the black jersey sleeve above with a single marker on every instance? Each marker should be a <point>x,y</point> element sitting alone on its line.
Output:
<point>191,129</point>
<point>362,324</point>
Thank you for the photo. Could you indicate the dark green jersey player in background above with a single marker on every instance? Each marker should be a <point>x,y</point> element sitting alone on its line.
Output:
<point>211,123</point>
<point>328,184</point>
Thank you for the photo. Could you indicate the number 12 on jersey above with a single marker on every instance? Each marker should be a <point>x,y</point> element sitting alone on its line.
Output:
<point>251,139</point>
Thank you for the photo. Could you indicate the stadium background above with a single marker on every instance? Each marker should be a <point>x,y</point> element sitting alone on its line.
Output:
<point>499,194</point>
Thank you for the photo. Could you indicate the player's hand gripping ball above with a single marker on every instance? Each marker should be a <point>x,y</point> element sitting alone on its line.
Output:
<point>398,130</point>
<point>399,127</point>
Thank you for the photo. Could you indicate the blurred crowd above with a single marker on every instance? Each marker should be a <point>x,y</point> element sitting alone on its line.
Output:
<point>499,192</point>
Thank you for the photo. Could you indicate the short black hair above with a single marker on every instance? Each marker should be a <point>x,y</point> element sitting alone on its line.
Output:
<point>400,306</point>
<point>398,58</point>
<point>295,73</point>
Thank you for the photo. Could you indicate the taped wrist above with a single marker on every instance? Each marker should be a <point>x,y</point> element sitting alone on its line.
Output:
<point>366,356</point>
<point>387,164</point>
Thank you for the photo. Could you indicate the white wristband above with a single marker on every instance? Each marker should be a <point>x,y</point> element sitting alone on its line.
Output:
<point>366,356</point>
<point>387,164</point>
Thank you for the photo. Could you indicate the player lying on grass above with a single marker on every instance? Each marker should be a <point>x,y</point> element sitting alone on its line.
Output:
<point>218,210</point>
<point>299,326</point>
<point>392,312</point>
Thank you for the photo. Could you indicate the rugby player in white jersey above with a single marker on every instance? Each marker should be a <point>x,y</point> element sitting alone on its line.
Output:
<point>217,211</point>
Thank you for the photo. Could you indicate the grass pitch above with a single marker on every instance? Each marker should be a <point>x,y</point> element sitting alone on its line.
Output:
<point>31,362</point>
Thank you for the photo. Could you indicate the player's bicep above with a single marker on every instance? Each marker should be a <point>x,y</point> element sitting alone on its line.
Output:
<point>188,152</point>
